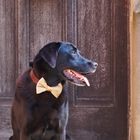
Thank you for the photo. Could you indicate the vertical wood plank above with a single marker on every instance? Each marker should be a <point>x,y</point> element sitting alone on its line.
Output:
<point>7,48</point>
<point>7,64</point>
<point>22,34</point>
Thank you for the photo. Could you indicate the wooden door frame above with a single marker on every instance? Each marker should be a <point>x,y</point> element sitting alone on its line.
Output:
<point>134,114</point>
<point>130,106</point>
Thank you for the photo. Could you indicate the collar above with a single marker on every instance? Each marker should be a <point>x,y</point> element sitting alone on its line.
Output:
<point>33,77</point>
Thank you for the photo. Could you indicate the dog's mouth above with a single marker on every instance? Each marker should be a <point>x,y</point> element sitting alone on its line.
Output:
<point>77,78</point>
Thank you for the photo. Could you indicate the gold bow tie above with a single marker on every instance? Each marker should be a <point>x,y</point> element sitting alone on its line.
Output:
<point>42,87</point>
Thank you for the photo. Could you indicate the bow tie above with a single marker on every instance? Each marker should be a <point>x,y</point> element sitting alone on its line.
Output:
<point>42,87</point>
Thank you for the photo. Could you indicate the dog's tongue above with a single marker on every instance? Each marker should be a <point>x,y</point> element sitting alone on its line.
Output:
<point>79,76</point>
<point>82,78</point>
<point>86,81</point>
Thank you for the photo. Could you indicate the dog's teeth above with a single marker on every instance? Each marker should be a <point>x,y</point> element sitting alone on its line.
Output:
<point>86,81</point>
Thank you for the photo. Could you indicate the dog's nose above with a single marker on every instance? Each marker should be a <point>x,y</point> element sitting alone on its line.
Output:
<point>95,64</point>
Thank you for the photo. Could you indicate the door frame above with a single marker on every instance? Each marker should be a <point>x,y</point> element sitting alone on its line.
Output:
<point>134,100</point>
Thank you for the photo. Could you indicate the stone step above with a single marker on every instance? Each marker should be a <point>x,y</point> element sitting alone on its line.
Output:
<point>4,135</point>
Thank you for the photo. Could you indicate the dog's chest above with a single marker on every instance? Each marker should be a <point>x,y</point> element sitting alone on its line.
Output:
<point>52,122</point>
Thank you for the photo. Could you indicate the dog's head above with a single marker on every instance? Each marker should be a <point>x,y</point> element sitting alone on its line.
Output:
<point>65,59</point>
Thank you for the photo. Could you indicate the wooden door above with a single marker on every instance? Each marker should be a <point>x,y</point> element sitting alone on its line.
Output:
<point>100,30</point>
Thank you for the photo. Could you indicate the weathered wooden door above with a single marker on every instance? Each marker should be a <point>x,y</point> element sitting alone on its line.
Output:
<point>99,28</point>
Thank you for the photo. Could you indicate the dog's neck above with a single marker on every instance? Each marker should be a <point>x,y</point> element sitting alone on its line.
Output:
<point>49,74</point>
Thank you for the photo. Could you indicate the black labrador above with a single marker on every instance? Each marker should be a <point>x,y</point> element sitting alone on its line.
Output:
<point>44,116</point>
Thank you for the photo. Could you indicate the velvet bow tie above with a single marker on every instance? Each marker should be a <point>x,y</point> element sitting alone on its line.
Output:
<point>42,87</point>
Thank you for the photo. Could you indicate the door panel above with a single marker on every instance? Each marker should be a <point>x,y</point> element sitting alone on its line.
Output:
<point>95,40</point>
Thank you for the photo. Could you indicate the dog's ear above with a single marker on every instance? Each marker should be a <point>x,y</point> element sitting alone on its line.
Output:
<point>50,52</point>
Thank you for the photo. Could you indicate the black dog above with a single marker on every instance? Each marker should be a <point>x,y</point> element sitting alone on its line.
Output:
<point>44,116</point>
